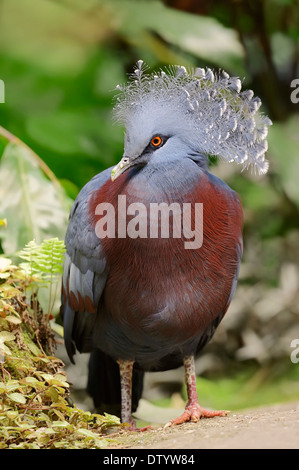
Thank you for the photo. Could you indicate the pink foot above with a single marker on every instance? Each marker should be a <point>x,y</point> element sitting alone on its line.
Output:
<point>132,426</point>
<point>194,413</point>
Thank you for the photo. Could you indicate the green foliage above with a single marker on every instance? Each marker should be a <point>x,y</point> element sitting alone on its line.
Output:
<point>44,266</point>
<point>35,412</point>
<point>44,260</point>
<point>284,150</point>
<point>248,389</point>
<point>31,198</point>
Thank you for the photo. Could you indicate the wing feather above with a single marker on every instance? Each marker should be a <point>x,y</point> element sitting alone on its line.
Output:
<point>85,271</point>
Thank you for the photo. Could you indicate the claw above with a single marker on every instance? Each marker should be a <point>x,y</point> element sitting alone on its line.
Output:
<point>194,414</point>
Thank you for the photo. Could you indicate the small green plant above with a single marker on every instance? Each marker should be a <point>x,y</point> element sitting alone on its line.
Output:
<point>44,260</point>
<point>43,265</point>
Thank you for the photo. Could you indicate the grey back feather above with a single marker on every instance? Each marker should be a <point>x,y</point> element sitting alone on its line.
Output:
<point>207,109</point>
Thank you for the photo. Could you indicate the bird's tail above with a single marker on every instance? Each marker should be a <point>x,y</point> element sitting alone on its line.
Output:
<point>104,384</point>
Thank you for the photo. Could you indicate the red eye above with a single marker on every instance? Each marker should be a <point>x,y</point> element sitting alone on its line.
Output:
<point>156,141</point>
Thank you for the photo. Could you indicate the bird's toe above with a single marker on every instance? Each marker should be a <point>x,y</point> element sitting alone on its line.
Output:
<point>133,427</point>
<point>194,413</point>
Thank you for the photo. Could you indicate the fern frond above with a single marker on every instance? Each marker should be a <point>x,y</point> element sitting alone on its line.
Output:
<point>44,261</point>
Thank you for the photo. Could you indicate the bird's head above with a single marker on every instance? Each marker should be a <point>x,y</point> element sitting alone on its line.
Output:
<point>177,113</point>
<point>152,135</point>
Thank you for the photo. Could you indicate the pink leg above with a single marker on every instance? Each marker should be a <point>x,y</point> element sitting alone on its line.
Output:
<point>126,370</point>
<point>193,412</point>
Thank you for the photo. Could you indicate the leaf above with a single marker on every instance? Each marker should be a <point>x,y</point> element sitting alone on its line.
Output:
<point>13,319</point>
<point>34,205</point>
<point>34,349</point>
<point>8,291</point>
<point>12,385</point>
<point>17,397</point>
<point>40,432</point>
<point>44,264</point>
<point>6,336</point>
<point>87,433</point>
<point>61,424</point>
<point>43,417</point>
<point>4,275</point>
<point>4,350</point>
<point>45,260</point>
<point>34,383</point>
<point>59,414</point>
<point>202,36</point>
<point>45,376</point>
<point>39,359</point>
<point>12,414</point>
<point>31,380</point>
<point>60,383</point>
<point>57,328</point>
<point>4,263</point>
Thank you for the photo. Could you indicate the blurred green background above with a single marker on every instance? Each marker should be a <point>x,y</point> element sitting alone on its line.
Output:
<point>60,61</point>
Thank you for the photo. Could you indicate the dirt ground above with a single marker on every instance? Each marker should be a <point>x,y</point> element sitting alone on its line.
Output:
<point>271,427</point>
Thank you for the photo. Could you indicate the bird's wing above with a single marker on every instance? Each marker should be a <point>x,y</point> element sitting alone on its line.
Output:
<point>85,271</point>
